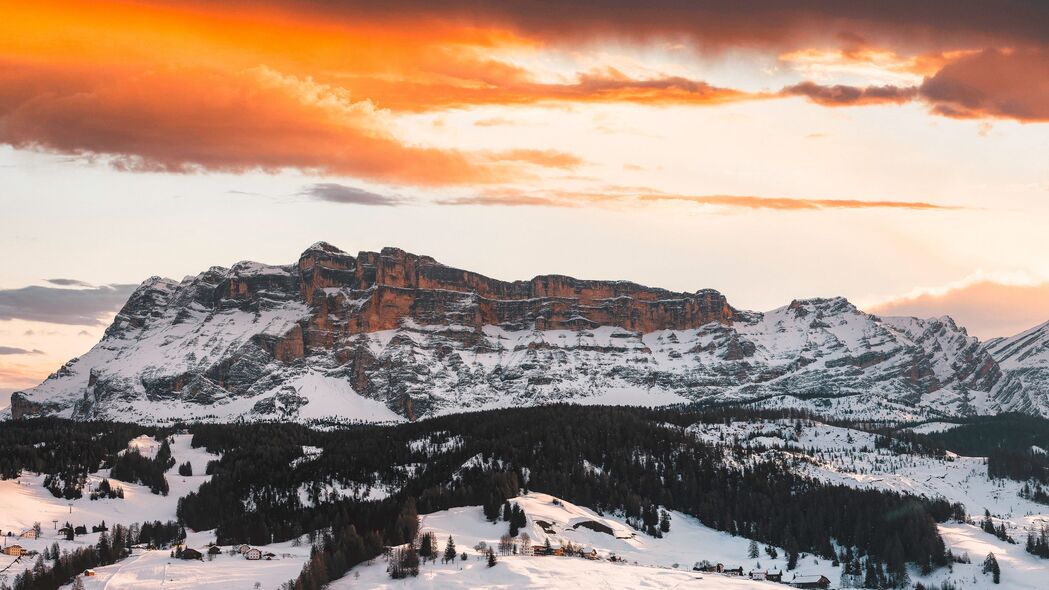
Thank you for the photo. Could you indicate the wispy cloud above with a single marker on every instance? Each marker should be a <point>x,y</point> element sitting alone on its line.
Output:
<point>625,195</point>
<point>69,283</point>
<point>10,350</point>
<point>349,195</point>
<point>794,204</point>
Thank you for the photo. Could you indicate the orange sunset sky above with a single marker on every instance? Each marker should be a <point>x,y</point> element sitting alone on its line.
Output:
<point>891,152</point>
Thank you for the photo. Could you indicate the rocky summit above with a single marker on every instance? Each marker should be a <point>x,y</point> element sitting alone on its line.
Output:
<point>386,336</point>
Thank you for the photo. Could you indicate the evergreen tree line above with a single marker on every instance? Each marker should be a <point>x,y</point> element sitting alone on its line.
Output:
<point>64,447</point>
<point>1038,543</point>
<point>644,460</point>
<point>132,466</point>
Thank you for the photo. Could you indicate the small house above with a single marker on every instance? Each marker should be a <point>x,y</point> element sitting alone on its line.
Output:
<point>776,576</point>
<point>268,556</point>
<point>188,553</point>
<point>15,550</point>
<point>757,575</point>
<point>89,572</point>
<point>539,550</point>
<point>214,550</point>
<point>27,534</point>
<point>242,549</point>
<point>253,554</point>
<point>735,571</point>
<point>816,582</point>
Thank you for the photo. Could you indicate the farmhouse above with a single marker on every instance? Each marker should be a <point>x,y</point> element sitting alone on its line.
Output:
<point>253,554</point>
<point>15,550</point>
<point>242,549</point>
<point>214,550</point>
<point>89,572</point>
<point>817,581</point>
<point>27,534</point>
<point>188,553</point>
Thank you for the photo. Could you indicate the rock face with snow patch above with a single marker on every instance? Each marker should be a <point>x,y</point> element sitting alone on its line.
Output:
<point>392,335</point>
<point>1025,359</point>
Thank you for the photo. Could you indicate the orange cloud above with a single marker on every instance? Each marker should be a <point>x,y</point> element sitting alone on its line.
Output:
<point>985,308</point>
<point>177,119</point>
<point>992,84</point>
<point>787,204</point>
<point>626,194</point>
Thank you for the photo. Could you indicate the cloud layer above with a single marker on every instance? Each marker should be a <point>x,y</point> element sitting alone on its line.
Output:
<point>985,308</point>
<point>12,350</point>
<point>78,307</point>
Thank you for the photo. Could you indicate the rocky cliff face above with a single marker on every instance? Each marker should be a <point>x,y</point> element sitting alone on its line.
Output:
<point>1025,359</point>
<point>391,335</point>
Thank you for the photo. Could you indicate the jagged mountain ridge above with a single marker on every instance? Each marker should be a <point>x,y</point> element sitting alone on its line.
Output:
<point>390,335</point>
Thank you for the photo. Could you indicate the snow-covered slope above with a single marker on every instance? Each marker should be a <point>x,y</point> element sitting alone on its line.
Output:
<point>854,458</point>
<point>640,560</point>
<point>391,335</point>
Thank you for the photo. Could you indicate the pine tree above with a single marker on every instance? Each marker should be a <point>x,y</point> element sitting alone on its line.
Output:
<point>664,521</point>
<point>491,558</point>
<point>753,551</point>
<point>449,550</point>
<point>990,566</point>
<point>426,548</point>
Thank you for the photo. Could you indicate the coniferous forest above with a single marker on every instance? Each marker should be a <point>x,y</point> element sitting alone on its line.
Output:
<point>641,463</point>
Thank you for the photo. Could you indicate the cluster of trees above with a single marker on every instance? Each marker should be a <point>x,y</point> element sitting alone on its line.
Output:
<point>134,467</point>
<point>998,531</point>
<point>1038,543</point>
<point>1020,465</point>
<point>54,445</point>
<point>107,490</point>
<point>55,568</point>
<point>979,436</point>
<point>990,566</point>
<point>66,483</point>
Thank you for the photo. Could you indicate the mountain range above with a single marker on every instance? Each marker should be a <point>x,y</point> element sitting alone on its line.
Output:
<point>388,336</point>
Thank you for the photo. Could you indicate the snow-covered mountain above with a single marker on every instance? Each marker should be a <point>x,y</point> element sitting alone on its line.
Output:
<point>390,335</point>
<point>1025,359</point>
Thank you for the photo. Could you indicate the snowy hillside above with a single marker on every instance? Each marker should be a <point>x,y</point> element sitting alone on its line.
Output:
<point>390,335</point>
<point>639,560</point>
<point>853,458</point>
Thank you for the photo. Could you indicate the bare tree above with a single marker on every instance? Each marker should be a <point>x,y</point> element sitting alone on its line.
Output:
<point>506,544</point>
